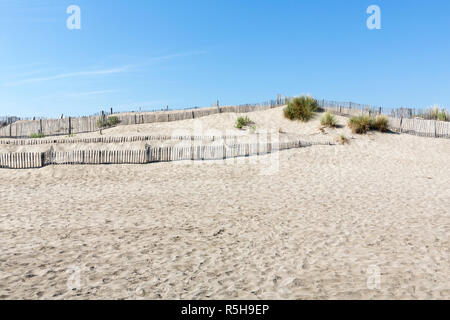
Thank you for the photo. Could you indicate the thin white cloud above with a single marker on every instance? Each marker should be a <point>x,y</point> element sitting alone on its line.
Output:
<point>122,69</point>
<point>71,75</point>
<point>88,93</point>
<point>177,55</point>
<point>74,94</point>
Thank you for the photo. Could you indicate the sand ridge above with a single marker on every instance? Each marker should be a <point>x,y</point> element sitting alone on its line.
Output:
<point>267,123</point>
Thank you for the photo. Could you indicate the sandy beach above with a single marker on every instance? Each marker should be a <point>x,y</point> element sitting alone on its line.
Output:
<point>321,225</point>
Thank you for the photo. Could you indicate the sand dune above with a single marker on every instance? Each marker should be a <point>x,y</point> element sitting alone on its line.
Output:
<point>269,122</point>
<point>315,226</point>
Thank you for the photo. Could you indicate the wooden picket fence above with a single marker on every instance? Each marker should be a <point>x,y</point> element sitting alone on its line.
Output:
<point>68,126</point>
<point>26,160</point>
<point>421,127</point>
<point>22,160</point>
<point>119,139</point>
<point>414,126</point>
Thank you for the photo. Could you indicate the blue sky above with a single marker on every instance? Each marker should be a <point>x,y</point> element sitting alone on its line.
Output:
<point>148,54</point>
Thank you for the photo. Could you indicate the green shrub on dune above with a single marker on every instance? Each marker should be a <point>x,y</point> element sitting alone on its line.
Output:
<point>442,116</point>
<point>360,124</point>
<point>363,124</point>
<point>241,122</point>
<point>381,124</point>
<point>112,121</point>
<point>328,120</point>
<point>109,122</point>
<point>37,135</point>
<point>435,114</point>
<point>301,108</point>
<point>342,139</point>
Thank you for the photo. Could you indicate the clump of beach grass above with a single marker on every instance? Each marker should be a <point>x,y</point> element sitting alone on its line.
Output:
<point>242,122</point>
<point>342,139</point>
<point>37,135</point>
<point>435,114</point>
<point>360,124</point>
<point>328,120</point>
<point>443,116</point>
<point>301,108</point>
<point>112,121</point>
<point>109,122</point>
<point>363,124</point>
<point>380,123</point>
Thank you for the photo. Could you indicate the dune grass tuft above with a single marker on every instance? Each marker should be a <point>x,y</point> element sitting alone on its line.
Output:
<point>109,122</point>
<point>112,121</point>
<point>435,114</point>
<point>242,122</point>
<point>380,123</point>
<point>328,120</point>
<point>360,124</point>
<point>363,124</point>
<point>342,139</point>
<point>37,135</point>
<point>301,108</point>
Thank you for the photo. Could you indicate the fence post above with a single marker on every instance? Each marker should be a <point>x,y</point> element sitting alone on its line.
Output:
<point>103,122</point>
<point>435,128</point>
<point>40,126</point>
<point>148,153</point>
<point>42,159</point>
<point>70,126</point>
<point>401,121</point>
